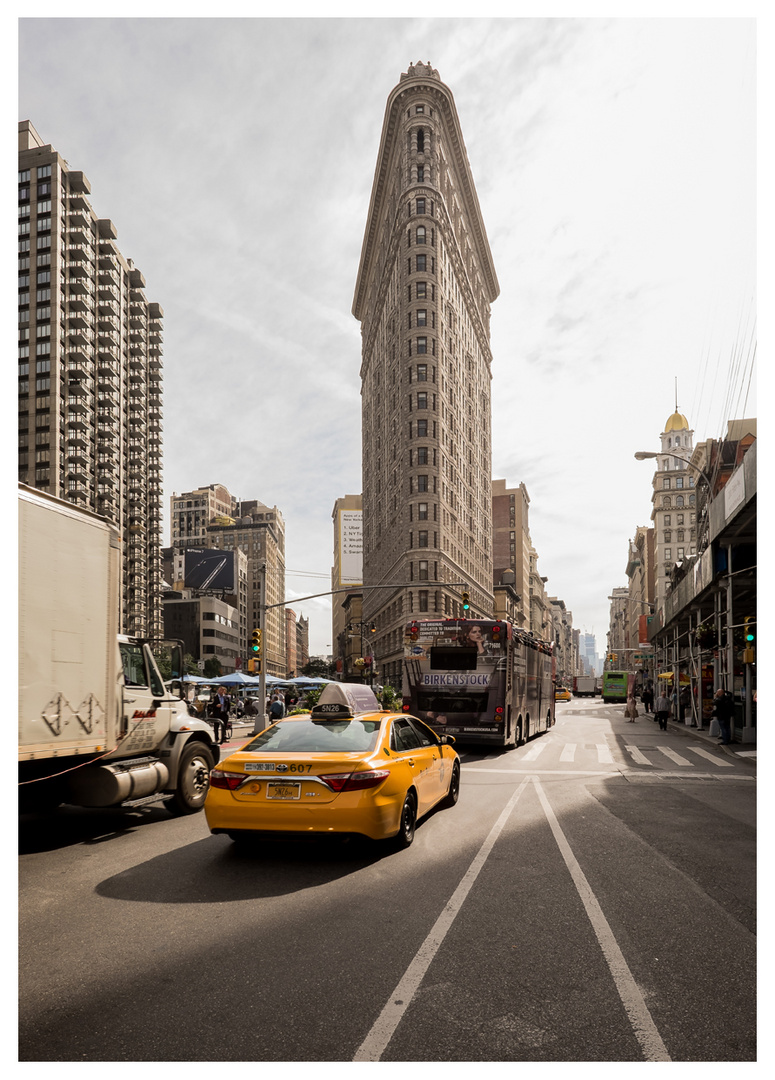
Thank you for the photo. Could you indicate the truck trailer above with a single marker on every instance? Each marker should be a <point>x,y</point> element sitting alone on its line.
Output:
<point>98,725</point>
<point>584,686</point>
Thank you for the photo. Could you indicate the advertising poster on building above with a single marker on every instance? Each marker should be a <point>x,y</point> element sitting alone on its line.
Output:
<point>209,570</point>
<point>350,547</point>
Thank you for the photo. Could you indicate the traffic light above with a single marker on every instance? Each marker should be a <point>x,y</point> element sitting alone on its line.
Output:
<point>255,645</point>
<point>749,636</point>
<point>466,601</point>
<point>614,658</point>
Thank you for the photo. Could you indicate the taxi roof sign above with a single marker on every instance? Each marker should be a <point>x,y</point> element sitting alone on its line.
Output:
<point>345,699</point>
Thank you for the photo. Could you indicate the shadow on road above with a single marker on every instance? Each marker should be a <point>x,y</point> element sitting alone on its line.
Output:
<point>216,871</point>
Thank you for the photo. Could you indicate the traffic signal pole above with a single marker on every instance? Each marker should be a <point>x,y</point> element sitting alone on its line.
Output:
<point>263,607</point>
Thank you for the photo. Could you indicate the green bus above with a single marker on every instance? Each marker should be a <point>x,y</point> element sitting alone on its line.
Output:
<point>614,686</point>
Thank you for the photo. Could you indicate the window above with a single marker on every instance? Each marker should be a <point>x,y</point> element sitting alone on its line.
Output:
<point>422,454</point>
<point>667,522</point>
<point>422,400</point>
<point>422,571</point>
<point>420,174</point>
<point>679,481</point>
<point>679,500</point>
<point>422,317</point>
<point>668,554</point>
<point>666,500</point>
<point>422,429</point>
<point>679,519</point>
<point>421,206</point>
<point>422,345</point>
<point>422,372</point>
<point>423,599</point>
<point>421,264</point>
<point>666,484</point>
<point>422,511</point>
<point>420,234</point>
<point>668,536</point>
<point>420,289</point>
<point>680,554</point>
<point>422,538</point>
<point>422,482</point>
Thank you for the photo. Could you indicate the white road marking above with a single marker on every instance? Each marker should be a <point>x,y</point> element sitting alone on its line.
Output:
<point>533,753</point>
<point>675,757</point>
<point>712,757</point>
<point>568,752</point>
<point>374,1044</point>
<point>604,755</point>
<point>643,1025</point>
<point>637,756</point>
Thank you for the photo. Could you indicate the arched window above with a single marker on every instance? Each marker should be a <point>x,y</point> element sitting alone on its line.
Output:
<point>666,501</point>
<point>679,500</point>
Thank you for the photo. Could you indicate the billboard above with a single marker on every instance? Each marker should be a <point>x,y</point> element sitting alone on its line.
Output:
<point>209,570</point>
<point>350,547</point>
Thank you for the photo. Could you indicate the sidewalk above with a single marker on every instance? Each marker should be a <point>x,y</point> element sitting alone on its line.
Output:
<point>744,751</point>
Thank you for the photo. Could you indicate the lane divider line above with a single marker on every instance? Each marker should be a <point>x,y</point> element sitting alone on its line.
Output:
<point>632,999</point>
<point>373,1046</point>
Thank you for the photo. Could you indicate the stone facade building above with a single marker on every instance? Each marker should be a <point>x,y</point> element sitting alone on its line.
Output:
<point>511,544</point>
<point>425,284</point>
<point>210,517</point>
<point>90,370</point>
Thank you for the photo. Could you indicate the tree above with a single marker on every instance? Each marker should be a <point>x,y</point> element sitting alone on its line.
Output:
<point>390,699</point>
<point>315,668</point>
<point>212,668</point>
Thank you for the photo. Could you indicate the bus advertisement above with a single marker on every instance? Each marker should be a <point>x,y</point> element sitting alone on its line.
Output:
<point>481,680</point>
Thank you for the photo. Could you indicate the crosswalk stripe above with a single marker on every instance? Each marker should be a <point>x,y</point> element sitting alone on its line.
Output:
<point>712,757</point>
<point>533,753</point>
<point>675,757</point>
<point>604,755</point>
<point>568,752</point>
<point>637,756</point>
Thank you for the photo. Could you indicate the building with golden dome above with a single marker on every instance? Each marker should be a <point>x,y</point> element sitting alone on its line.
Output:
<point>673,499</point>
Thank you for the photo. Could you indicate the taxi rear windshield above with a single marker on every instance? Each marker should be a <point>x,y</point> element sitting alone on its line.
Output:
<point>317,737</point>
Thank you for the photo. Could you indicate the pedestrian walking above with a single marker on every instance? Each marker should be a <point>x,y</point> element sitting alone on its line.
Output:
<point>647,697</point>
<point>219,713</point>
<point>684,702</point>
<point>662,710</point>
<point>723,710</point>
<point>276,709</point>
<point>631,709</point>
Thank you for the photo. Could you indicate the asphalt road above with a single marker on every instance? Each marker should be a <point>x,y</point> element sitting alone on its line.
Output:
<point>590,898</point>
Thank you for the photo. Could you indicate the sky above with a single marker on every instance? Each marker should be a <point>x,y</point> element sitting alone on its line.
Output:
<point>615,165</point>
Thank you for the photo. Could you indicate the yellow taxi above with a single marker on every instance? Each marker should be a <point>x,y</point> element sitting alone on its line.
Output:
<point>344,768</point>
<point>562,693</point>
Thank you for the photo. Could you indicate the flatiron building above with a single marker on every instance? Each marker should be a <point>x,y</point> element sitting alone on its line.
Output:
<point>423,293</point>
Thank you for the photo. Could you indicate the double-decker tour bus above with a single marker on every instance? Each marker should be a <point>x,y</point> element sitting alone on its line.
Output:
<point>481,680</point>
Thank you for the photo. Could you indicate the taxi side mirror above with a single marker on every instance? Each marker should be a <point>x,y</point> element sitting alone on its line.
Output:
<point>447,739</point>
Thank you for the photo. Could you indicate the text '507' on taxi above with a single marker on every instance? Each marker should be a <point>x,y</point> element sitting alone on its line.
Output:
<point>345,768</point>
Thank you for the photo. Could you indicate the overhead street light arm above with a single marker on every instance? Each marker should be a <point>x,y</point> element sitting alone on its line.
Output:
<point>641,455</point>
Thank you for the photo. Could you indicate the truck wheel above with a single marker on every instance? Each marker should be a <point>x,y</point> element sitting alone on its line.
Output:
<point>196,761</point>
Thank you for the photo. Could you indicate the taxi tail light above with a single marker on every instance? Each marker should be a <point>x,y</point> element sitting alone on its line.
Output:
<point>228,780</point>
<point>354,781</point>
<point>499,711</point>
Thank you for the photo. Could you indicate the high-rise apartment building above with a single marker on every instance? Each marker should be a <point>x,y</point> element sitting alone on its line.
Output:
<point>90,370</point>
<point>425,285</point>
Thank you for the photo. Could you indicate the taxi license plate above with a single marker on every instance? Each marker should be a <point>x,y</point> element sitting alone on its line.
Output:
<point>281,789</point>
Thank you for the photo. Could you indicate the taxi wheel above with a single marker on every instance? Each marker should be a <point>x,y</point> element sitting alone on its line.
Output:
<point>454,787</point>
<point>408,821</point>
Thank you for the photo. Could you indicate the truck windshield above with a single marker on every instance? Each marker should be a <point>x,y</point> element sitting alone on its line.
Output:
<point>133,662</point>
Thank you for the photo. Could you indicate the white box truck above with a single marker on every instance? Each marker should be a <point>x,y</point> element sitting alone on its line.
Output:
<point>584,686</point>
<point>98,726</point>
